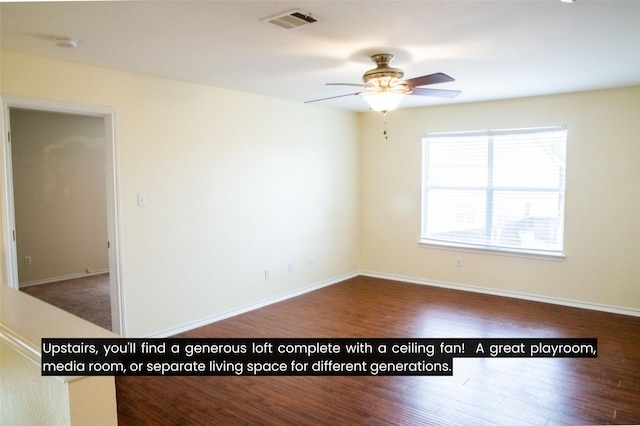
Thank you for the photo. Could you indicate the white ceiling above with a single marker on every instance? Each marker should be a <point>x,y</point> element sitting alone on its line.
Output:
<point>494,49</point>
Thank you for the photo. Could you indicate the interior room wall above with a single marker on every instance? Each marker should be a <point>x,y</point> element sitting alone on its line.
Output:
<point>28,398</point>
<point>235,184</point>
<point>59,195</point>
<point>602,232</point>
<point>31,399</point>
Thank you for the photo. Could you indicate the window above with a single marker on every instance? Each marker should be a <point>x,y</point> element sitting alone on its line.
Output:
<point>501,190</point>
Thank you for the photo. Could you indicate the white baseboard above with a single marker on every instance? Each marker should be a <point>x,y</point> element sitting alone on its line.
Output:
<point>504,293</point>
<point>62,278</point>
<point>412,280</point>
<point>241,310</point>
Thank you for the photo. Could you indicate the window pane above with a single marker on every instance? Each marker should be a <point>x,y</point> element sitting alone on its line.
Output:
<point>532,161</point>
<point>456,215</point>
<point>527,220</point>
<point>457,162</point>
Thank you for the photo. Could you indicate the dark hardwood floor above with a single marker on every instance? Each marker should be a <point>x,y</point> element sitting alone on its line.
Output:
<point>482,391</point>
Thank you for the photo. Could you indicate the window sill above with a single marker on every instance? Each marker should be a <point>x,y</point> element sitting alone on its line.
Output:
<point>544,255</point>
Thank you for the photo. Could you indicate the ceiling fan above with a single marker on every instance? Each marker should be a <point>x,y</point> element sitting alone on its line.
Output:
<point>384,86</point>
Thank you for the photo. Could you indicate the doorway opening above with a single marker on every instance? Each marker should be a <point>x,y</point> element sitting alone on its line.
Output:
<point>59,207</point>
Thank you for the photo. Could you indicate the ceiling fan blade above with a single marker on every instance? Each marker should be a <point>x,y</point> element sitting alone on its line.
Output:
<point>438,93</point>
<point>344,84</point>
<point>332,97</point>
<point>429,79</point>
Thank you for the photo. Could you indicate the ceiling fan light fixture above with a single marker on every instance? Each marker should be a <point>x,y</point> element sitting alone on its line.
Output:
<point>385,87</point>
<point>382,75</point>
<point>383,101</point>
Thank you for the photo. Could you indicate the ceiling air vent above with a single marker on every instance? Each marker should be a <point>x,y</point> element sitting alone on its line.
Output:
<point>292,19</point>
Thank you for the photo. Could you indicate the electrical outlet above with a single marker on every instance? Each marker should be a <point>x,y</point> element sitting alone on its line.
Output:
<point>458,262</point>
<point>291,268</point>
<point>27,260</point>
<point>267,274</point>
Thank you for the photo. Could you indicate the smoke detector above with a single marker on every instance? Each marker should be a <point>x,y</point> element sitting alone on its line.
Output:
<point>67,42</point>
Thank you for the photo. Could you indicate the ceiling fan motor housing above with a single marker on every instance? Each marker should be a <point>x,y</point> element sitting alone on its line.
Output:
<point>383,76</point>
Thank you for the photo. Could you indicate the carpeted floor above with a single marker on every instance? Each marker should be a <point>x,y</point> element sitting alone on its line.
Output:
<point>88,297</point>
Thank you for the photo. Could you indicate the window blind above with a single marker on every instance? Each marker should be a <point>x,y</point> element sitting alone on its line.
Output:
<point>501,189</point>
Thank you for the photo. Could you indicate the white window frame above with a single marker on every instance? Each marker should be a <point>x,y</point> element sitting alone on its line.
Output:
<point>490,248</point>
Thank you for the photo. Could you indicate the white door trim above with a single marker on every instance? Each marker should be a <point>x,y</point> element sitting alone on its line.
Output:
<point>9,257</point>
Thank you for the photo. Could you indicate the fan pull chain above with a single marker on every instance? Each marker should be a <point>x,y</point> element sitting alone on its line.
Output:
<point>386,136</point>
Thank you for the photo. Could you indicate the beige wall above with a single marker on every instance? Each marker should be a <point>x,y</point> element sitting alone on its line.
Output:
<point>27,397</point>
<point>59,194</point>
<point>236,183</point>
<point>602,230</point>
